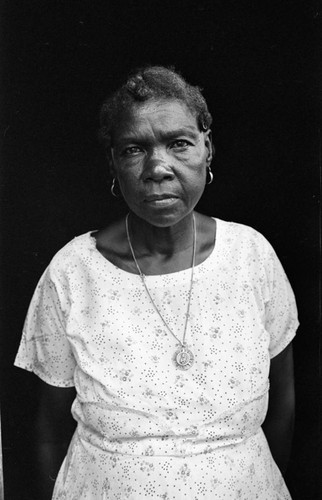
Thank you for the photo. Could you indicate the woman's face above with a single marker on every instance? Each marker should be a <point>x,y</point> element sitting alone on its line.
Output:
<point>159,157</point>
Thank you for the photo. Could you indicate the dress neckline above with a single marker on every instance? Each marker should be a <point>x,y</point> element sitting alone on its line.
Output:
<point>184,272</point>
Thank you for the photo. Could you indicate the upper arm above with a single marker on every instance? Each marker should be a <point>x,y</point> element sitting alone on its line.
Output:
<point>281,376</point>
<point>54,420</point>
<point>45,348</point>
<point>279,421</point>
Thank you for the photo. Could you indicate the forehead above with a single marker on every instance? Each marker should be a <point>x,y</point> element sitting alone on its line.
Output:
<point>163,116</point>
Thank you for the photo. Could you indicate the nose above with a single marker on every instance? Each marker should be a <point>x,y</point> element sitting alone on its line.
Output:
<point>157,168</point>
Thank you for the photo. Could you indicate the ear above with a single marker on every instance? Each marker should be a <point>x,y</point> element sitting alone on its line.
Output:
<point>209,145</point>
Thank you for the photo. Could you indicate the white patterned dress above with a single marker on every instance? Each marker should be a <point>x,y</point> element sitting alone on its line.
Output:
<point>146,429</point>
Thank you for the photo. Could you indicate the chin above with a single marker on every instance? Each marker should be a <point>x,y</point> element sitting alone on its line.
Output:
<point>162,219</point>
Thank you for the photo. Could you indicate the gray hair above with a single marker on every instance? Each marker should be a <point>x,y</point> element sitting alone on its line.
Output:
<point>151,83</point>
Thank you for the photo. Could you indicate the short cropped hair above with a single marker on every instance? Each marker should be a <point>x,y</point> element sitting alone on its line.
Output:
<point>151,83</point>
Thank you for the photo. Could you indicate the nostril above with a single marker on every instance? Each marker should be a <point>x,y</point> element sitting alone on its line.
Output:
<point>158,178</point>
<point>158,171</point>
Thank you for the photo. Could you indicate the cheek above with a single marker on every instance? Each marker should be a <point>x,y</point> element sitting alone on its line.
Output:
<point>128,178</point>
<point>199,187</point>
<point>128,188</point>
<point>200,178</point>
<point>197,174</point>
<point>131,188</point>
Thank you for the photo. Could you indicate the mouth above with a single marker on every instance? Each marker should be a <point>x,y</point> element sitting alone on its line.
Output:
<point>160,199</point>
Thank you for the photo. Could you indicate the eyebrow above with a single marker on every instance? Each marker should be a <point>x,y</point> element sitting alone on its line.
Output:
<point>169,135</point>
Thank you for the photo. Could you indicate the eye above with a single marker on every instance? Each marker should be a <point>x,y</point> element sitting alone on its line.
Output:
<point>131,151</point>
<point>180,144</point>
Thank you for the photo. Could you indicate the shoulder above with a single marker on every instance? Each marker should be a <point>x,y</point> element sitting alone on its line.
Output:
<point>237,229</point>
<point>76,250</point>
<point>245,246</point>
<point>242,235</point>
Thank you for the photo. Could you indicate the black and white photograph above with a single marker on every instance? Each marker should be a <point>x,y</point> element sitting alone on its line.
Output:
<point>160,250</point>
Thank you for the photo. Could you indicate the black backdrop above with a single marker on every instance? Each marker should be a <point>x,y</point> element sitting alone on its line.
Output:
<point>257,63</point>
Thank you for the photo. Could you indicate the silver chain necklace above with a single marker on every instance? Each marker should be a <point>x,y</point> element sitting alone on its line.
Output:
<point>183,357</point>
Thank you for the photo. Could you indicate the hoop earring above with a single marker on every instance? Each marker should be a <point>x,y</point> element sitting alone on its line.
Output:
<point>211,175</point>
<point>113,188</point>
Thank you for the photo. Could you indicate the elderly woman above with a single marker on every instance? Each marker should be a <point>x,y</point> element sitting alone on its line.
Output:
<point>169,330</point>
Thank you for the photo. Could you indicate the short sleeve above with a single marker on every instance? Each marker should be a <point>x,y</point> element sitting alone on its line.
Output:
<point>44,348</point>
<point>281,321</point>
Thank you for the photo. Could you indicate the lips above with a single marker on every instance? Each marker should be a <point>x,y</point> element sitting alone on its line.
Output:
<point>159,197</point>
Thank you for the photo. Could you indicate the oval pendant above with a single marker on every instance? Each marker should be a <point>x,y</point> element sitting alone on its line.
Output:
<point>183,358</point>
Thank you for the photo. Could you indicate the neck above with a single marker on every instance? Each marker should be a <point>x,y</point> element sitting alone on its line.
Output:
<point>165,241</point>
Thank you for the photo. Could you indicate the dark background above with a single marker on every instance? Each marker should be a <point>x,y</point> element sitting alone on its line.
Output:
<point>258,65</point>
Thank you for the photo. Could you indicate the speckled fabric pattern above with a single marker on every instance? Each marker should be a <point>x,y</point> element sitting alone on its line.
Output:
<point>145,428</point>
